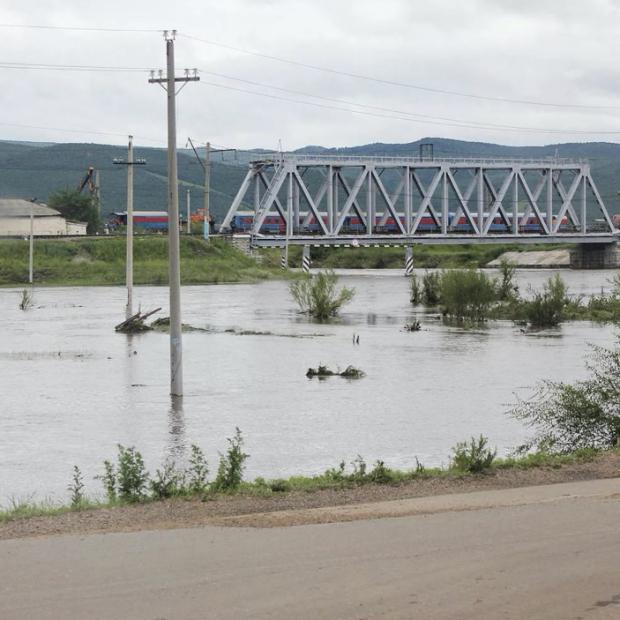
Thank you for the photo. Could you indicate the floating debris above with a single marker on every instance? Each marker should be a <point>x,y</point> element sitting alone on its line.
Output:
<point>414,326</point>
<point>350,372</point>
<point>163,325</point>
<point>136,323</point>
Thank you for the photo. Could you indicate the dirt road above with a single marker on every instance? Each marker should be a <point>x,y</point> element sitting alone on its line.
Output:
<point>538,553</point>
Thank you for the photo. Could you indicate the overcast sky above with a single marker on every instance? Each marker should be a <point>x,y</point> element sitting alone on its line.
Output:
<point>548,51</point>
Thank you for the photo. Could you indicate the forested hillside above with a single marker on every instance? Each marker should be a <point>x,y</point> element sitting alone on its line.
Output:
<point>35,170</point>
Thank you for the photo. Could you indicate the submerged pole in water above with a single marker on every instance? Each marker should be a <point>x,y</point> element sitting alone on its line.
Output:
<point>31,249</point>
<point>174,268</point>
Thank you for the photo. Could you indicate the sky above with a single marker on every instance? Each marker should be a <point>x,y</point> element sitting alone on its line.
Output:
<point>320,72</point>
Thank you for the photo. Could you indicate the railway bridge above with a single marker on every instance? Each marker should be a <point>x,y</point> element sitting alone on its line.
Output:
<point>311,200</point>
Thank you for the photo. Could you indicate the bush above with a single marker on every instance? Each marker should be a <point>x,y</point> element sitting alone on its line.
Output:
<point>473,457</point>
<point>415,290</point>
<point>197,471</point>
<point>586,414</point>
<point>232,464</point>
<point>466,294</point>
<point>167,482</point>
<point>317,295</point>
<point>431,288</point>
<point>506,288</point>
<point>546,309</point>
<point>77,489</point>
<point>128,481</point>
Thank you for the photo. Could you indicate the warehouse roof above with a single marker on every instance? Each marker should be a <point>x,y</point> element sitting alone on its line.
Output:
<point>18,207</point>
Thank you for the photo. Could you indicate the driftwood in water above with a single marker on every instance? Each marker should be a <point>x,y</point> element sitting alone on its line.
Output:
<point>414,326</point>
<point>350,372</point>
<point>136,323</point>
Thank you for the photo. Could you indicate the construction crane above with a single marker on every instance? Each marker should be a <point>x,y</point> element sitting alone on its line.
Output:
<point>91,181</point>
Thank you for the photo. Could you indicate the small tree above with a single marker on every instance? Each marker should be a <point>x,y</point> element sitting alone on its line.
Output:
<point>586,414</point>
<point>466,294</point>
<point>546,309</point>
<point>75,206</point>
<point>317,295</point>
<point>507,290</point>
<point>430,288</point>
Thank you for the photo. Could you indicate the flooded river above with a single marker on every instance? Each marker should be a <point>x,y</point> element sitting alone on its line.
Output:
<point>71,388</point>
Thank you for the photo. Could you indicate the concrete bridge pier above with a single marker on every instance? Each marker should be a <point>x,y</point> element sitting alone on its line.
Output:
<point>408,260</point>
<point>305,259</point>
<point>595,256</point>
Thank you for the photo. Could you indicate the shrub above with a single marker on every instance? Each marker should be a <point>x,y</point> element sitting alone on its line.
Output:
<point>131,476</point>
<point>26,301</point>
<point>317,295</point>
<point>430,288</point>
<point>466,294</point>
<point>473,457</point>
<point>167,482</point>
<point>586,414</point>
<point>506,288</point>
<point>415,290</point>
<point>546,309</point>
<point>232,464</point>
<point>77,489</point>
<point>280,486</point>
<point>197,471</point>
<point>380,474</point>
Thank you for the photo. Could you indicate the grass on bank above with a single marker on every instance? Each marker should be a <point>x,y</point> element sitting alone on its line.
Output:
<point>101,261</point>
<point>340,477</point>
<point>424,256</point>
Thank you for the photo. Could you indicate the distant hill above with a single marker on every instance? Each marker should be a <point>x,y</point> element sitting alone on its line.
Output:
<point>29,170</point>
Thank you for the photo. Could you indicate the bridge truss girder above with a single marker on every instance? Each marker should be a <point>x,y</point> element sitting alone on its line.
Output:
<point>561,196</point>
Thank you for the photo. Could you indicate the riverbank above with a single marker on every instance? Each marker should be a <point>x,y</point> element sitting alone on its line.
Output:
<point>286,502</point>
<point>424,256</point>
<point>101,261</point>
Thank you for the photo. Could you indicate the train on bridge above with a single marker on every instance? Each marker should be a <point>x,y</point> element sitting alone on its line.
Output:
<point>275,224</point>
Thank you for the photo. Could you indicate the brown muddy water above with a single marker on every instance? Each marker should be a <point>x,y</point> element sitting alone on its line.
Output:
<point>72,388</point>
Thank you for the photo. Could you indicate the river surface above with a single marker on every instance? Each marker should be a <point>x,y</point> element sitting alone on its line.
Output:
<point>72,388</point>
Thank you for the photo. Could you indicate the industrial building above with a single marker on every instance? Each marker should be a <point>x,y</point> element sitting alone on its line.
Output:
<point>47,222</point>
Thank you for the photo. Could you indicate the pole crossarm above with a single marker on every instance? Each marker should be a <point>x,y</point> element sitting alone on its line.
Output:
<point>347,197</point>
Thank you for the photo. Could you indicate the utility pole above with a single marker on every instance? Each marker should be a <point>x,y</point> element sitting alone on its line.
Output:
<point>189,213</point>
<point>31,249</point>
<point>207,168</point>
<point>174,270</point>
<point>130,163</point>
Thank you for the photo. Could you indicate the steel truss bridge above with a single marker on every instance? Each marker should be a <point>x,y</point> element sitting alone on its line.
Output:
<point>392,200</point>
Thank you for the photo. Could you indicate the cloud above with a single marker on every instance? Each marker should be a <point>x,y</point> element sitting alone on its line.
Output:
<point>538,51</point>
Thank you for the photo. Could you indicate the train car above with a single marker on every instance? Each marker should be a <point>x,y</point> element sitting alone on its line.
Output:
<point>145,220</point>
<point>353,224</point>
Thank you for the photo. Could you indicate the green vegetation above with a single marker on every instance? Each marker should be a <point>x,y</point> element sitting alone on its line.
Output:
<point>101,261</point>
<point>466,294</point>
<point>26,300</point>
<point>469,459</point>
<point>76,207</point>
<point>585,414</point>
<point>471,295</point>
<point>318,297</point>
<point>425,256</point>
<point>473,457</point>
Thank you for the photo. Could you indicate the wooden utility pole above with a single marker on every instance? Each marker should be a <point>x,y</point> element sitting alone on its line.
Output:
<point>130,163</point>
<point>174,270</point>
<point>189,213</point>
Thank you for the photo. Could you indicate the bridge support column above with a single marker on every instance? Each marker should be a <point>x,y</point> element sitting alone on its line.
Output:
<point>305,259</point>
<point>408,260</point>
<point>284,258</point>
<point>595,256</point>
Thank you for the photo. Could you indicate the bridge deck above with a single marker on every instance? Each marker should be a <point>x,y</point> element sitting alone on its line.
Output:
<point>272,241</point>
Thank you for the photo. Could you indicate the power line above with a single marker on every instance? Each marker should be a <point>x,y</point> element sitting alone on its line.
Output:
<point>462,124</point>
<point>377,80</point>
<point>79,28</point>
<point>395,111</point>
<point>430,119</point>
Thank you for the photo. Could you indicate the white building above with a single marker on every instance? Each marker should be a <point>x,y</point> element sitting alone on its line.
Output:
<point>15,220</point>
